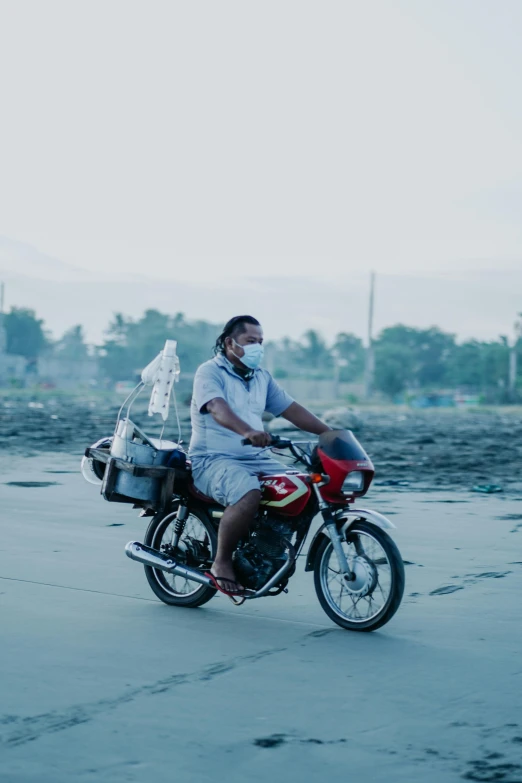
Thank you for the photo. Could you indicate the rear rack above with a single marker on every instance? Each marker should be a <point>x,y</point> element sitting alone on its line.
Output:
<point>167,475</point>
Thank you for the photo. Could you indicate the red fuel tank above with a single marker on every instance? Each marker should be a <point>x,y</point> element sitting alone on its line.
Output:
<point>286,493</point>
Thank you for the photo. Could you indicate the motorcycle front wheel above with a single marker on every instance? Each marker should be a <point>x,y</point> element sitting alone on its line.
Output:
<point>372,597</point>
<point>197,548</point>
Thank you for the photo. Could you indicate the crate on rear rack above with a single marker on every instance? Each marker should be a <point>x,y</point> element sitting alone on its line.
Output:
<point>139,470</point>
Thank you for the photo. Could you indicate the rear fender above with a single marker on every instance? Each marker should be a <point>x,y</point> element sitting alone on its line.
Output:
<point>344,523</point>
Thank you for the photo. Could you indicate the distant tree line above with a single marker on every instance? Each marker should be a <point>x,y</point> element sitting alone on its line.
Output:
<point>131,344</point>
<point>430,359</point>
<point>406,358</point>
<point>26,336</point>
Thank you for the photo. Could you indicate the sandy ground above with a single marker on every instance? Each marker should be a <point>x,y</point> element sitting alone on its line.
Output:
<point>101,682</point>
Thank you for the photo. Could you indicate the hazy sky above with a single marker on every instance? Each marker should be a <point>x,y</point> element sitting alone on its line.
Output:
<point>212,139</point>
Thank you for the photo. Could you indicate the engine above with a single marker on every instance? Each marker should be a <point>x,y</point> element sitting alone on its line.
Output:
<point>257,560</point>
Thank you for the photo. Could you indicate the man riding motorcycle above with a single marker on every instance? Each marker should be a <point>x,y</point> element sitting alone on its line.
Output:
<point>231,393</point>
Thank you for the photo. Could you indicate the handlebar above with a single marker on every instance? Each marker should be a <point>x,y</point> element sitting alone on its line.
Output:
<point>285,443</point>
<point>280,443</point>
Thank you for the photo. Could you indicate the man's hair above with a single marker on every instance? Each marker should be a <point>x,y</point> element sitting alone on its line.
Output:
<point>234,328</point>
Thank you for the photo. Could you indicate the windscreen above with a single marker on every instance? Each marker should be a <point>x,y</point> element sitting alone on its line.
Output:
<point>342,445</point>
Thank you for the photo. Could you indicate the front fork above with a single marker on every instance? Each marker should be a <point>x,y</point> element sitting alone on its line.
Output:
<point>333,533</point>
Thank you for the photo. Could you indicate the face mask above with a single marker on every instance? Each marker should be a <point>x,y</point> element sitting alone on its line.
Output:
<point>253,355</point>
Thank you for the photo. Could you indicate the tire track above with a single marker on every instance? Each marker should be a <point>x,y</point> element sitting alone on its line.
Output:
<point>20,731</point>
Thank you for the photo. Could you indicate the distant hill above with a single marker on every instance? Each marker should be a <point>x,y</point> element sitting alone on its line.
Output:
<point>18,259</point>
<point>480,304</point>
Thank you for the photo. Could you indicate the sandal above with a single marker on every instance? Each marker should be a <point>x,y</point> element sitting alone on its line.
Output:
<point>240,591</point>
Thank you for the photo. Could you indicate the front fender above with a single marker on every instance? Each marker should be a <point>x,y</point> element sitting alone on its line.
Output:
<point>344,523</point>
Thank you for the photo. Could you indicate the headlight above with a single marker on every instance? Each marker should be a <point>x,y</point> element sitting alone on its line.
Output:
<point>354,482</point>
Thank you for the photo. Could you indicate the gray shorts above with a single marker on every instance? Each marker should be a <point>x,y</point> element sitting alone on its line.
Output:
<point>228,479</point>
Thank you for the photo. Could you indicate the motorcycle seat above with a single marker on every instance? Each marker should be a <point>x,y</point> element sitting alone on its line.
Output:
<point>200,496</point>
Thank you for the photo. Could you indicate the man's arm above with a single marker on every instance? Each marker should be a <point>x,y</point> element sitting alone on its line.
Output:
<point>303,419</point>
<point>221,412</point>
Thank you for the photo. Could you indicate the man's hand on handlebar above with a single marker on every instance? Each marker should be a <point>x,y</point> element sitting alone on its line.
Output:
<point>257,438</point>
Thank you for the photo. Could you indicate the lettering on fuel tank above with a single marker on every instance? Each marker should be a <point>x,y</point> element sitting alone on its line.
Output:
<point>280,487</point>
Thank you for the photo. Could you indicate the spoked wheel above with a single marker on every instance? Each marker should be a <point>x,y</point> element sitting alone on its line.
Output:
<point>372,598</point>
<point>196,548</point>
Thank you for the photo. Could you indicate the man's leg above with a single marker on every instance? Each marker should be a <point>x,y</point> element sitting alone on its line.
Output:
<point>234,525</point>
<point>238,517</point>
<point>233,483</point>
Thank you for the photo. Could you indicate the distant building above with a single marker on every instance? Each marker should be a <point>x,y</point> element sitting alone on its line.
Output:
<point>12,369</point>
<point>67,374</point>
<point>47,370</point>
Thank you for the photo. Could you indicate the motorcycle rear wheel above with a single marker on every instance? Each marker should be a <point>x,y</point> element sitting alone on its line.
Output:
<point>368,549</point>
<point>176,590</point>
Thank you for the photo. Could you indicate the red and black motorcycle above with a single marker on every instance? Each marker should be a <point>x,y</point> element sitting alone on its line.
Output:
<point>358,570</point>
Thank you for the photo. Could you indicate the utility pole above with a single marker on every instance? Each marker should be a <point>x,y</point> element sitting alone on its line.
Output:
<point>370,359</point>
<point>512,379</point>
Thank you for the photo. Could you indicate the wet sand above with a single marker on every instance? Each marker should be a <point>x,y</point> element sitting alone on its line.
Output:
<point>101,682</point>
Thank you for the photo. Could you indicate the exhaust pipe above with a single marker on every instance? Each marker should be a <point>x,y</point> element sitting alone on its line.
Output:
<point>156,559</point>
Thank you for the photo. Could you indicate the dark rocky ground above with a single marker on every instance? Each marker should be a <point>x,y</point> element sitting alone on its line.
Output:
<point>431,448</point>
<point>452,448</point>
